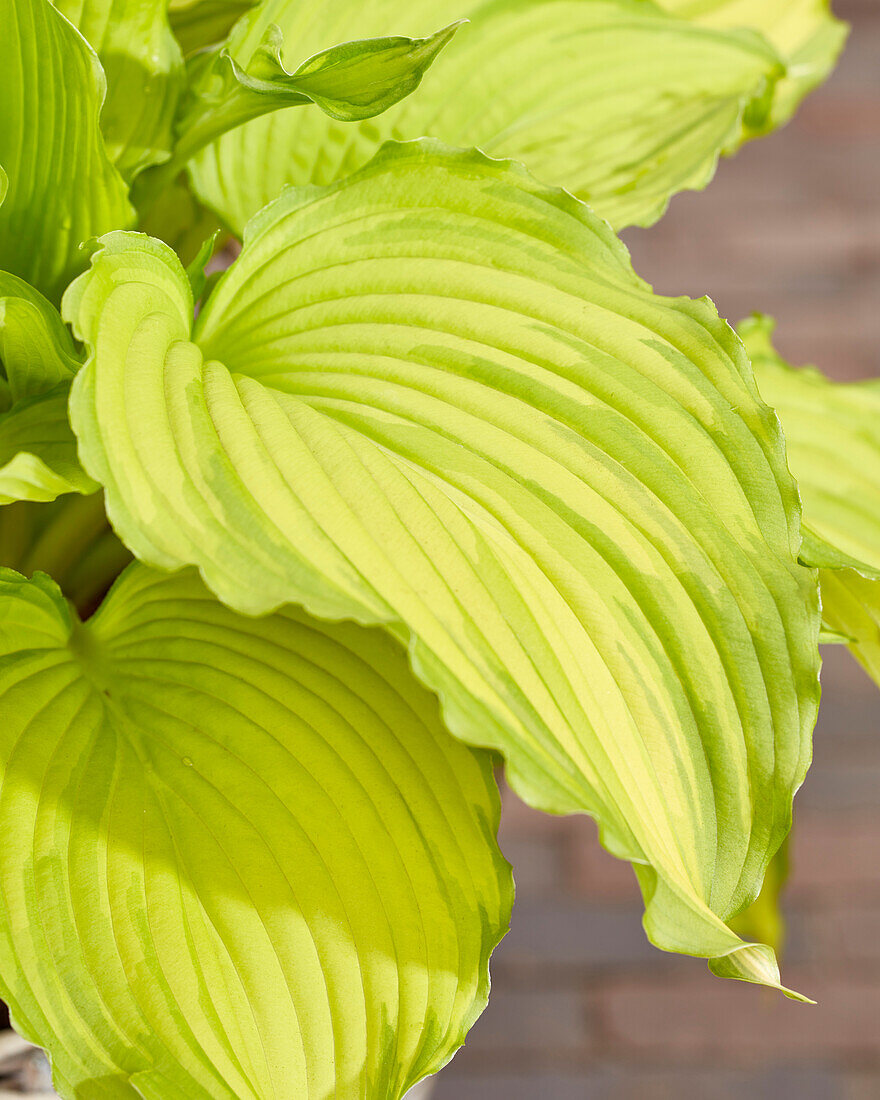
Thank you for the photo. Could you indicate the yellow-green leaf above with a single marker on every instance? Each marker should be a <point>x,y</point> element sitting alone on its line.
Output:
<point>436,397</point>
<point>242,859</point>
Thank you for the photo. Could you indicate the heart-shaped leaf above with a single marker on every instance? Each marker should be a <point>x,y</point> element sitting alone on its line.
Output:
<point>241,858</point>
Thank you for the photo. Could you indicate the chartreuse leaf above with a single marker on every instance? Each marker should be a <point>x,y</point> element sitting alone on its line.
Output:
<point>38,450</point>
<point>435,396</point>
<point>352,81</point>
<point>200,23</point>
<point>804,31</point>
<point>614,99</point>
<point>144,68</point>
<point>38,459</point>
<point>832,432</point>
<point>62,187</point>
<point>242,857</point>
<point>36,351</point>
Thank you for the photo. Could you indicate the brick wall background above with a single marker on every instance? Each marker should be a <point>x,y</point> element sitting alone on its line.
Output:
<point>582,1007</point>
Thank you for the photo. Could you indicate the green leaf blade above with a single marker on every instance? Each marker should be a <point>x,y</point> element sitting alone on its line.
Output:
<point>201,23</point>
<point>38,452</point>
<point>144,71</point>
<point>62,187</point>
<point>280,871</point>
<point>38,457</point>
<point>436,397</point>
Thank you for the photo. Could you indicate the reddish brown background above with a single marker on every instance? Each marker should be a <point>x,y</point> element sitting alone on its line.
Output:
<point>582,1006</point>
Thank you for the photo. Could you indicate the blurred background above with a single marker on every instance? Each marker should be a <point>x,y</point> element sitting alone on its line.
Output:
<point>582,1007</point>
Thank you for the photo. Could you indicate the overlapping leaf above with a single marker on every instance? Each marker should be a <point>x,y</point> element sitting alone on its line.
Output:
<point>436,397</point>
<point>38,459</point>
<point>62,188</point>
<point>614,99</point>
<point>832,432</point>
<point>804,31</point>
<point>144,69</point>
<point>242,858</point>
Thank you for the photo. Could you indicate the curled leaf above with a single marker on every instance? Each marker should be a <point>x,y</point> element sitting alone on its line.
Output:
<point>38,457</point>
<point>62,188</point>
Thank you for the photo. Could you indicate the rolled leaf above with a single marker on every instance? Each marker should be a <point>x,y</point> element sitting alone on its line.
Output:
<point>144,68</point>
<point>62,187</point>
<point>832,432</point>
<point>38,459</point>
<point>436,397</point>
<point>36,351</point>
<point>242,858</point>
<point>804,31</point>
<point>613,99</point>
<point>352,81</point>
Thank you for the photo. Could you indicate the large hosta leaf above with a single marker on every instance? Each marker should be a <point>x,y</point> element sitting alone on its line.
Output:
<point>144,68</point>
<point>613,99</point>
<point>832,431</point>
<point>38,458</point>
<point>804,31</point>
<point>62,187</point>
<point>435,396</point>
<point>241,857</point>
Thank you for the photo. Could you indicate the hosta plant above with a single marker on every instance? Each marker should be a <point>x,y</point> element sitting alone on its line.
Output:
<point>428,481</point>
